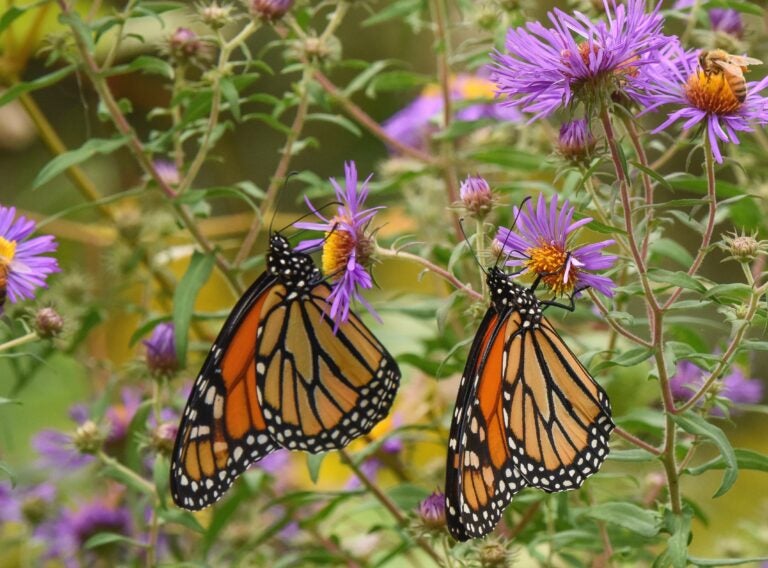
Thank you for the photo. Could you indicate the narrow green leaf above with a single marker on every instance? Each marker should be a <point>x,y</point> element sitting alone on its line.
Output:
<point>726,561</point>
<point>679,278</point>
<point>200,267</point>
<point>634,455</point>
<point>74,157</point>
<point>179,517</point>
<point>345,123</point>
<point>232,96</point>
<point>361,81</point>
<point>5,468</point>
<point>395,81</point>
<point>399,9</point>
<point>653,174</point>
<point>73,20</point>
<point>626,359</point>
<point>673,250</point>
<point>314,461</point>
<point>733,292</point>
<point>676,553</point>
<point>746,459</point>
<point>699,185</point>
<point>626,515</point>
<point>753,345</point>
<point>146,64</point>
<point>13,12</point>
<point>103,538</point>
<point>39,83</point>
<point>695,424</point>
<point>738,5</point>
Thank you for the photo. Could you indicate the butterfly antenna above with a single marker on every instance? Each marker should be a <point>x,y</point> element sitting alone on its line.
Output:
<point>469,245</point>
<point>512,228</point>
<point>308,214</point>
<point>279,198</point>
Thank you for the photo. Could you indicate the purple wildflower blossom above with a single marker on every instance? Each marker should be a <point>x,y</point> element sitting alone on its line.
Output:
<point>370,469</point>
<point>432,510</point>
<point>702,99</point>
<point>414,124</point>
<point>545,68</point>
<point>271,9</point>
<point>161,350</point>
<point>347,247</point>
<point>576,141</point>
<point>18,503</point>
<point>167,171</point>
<point>735,386</point>
<point>541,245</point>
<point>120,415</point>
<point>727,21</point>
<point>57,452</point>
<point>67,534</point>
<point>26,265</point>
<point>476,196</point>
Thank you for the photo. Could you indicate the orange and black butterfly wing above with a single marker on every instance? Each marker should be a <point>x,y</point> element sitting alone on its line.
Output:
<point>320,386</point>
<point>559,417</point>
<point>481,477</point>
<point>222,429</point>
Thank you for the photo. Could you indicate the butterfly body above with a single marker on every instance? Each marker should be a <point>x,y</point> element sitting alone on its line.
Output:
<point>279,375</point>
<point>527,413</point>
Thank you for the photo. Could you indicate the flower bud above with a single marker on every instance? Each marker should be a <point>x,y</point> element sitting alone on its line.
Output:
<point>476,196</point>
<point>743,248</point>
<point>161,351</point>
<point>163,437</point>
<point>270,10</point>
<point>576,142</point>
<point>185,46</point>
<point>494,554</point>
<point>167,171</point>
<point>215,16</point>
<point>432,510</point>
<point>48,322</point>
<point>88,438</point>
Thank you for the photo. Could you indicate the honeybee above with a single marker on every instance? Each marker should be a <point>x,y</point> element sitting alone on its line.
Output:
<point>716,61</point>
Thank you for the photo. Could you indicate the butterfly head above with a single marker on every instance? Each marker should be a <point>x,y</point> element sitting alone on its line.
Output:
<point>295,270</point>
<point>506,294</point>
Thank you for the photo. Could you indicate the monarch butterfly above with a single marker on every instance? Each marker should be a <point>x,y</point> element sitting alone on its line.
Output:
<point>278,376</point>
<point>527,413</point>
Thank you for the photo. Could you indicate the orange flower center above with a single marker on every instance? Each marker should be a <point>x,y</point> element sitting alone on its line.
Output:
<point>339,245</point>
<point>548,261</point>
<point>7,251</point>
<point>711,93</point>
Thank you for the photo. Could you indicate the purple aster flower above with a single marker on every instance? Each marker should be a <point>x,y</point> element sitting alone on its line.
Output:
<point>727,21</point>
<point>29,502</point>
<point>576,141</point>
<point>544,69</point>
<point>23,258</point>
<point>66,536</point>
<point>541,245</point>
<point>476,196</point>
<point>432,510</point>
<point>270,9</point>
<point>735,386</point>
<point>120,415</point>
<point>57,452</point>
<point>370,469</point>
<point>167,171</point>
<point>414,124</point>
<point>347,246</point>
<point>702,98</point>
<point>161,350</point>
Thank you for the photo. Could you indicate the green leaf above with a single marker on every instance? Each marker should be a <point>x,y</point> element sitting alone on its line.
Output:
<point>5,468</point>
<point>13,12</point>
<point>746,459</point>
<point>232,96</point>
<point>511,158</point>
<point>739,6</point>
<point>74,21</point>
<point>345,123</point>
<point>726,293</point>
<point>394,10</point>
<point>396,81</point>
<point>103,538</point>
<point>673,250</point>
<point>652,174</point>
<point>679,279</point>
<point>179,517</point>
<point>363,78</point>
<point>407,496</point>
<point>200,267</point>
<point>628,358</point>
<point>626,515</point>
<point>39,83</point>
<point>146,64</point>
<point>74,157</point>
<point>4,400</point>
<point>699,185</point>
<point>726,561</point>
<point>676,553</point>
<point>314,461</point>
<point>633,455</point>
<point>695,424</point>
<point>753,345</point>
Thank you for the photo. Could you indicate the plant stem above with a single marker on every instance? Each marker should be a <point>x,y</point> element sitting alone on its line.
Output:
<point>616,326</point>
<point>389,506</point>
<point>647,185</point>
<point>670,152</point>
<point>480,247</point>
<point>632,439</point>
<point>709,165</point>
<point>24,339</point>
<point>135,477</point>
<point>278,178</point>
<point>443,273</point>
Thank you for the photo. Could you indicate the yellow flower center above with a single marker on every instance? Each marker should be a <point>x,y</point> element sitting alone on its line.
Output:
<point>548,261</point>
<point>339,245</point>
<point>711,93</point>
<point>7,251</point>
